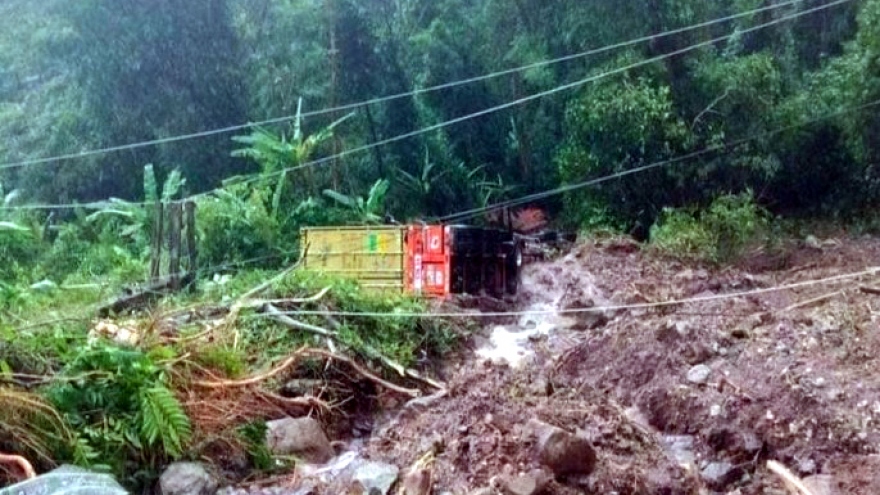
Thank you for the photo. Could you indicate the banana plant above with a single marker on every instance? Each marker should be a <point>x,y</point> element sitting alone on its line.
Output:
<point>277,153</point>
<point>368,209</point>
<point>139,218</point>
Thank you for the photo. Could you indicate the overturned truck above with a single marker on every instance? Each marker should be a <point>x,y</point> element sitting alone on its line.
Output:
<point>420,259</point>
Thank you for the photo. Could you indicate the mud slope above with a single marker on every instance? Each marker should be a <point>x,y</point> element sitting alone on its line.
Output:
<point>685,399</point>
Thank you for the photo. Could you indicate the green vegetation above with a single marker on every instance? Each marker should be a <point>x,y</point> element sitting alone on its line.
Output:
<point>721,233</point>
<point>779,111</point>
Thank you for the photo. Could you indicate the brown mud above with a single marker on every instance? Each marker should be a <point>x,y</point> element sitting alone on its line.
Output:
<point>691,398</point>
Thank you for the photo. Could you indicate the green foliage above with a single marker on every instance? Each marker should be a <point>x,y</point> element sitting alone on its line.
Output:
<point>615,127</point>
<point>254,437</point>
<point>721,233</point>
<point>366,210</point>
<point>118,402</point>
<point>402,337</point>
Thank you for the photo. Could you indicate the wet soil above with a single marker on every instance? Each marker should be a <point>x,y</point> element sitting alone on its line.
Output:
<point>693,398</point>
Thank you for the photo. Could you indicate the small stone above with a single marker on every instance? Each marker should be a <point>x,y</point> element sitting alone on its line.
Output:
<point>807,466</point>
<point>418,482</point>
<point>715,410</point>
<point>719,474</point>
<point>563,452</point>
<point>301,437</point>
<point>699,374</point>
<point>376,477</point>
<point>821,484</point>
<point>187,478</point>
<point>681,448</point>
<point>531,483</point>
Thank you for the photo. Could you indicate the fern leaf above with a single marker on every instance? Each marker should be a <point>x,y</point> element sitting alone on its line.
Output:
<point>163,420</point>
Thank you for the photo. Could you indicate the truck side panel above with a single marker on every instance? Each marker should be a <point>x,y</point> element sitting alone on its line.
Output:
<point>373,256</point>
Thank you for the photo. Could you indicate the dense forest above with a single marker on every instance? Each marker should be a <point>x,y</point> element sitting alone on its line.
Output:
<point>704,129</point>
<point>425,109</point>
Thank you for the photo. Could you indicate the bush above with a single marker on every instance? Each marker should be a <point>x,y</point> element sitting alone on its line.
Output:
<point>125,416</point>
<point>721,233</point>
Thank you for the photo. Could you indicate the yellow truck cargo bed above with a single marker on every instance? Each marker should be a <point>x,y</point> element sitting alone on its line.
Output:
<point>371,255</point>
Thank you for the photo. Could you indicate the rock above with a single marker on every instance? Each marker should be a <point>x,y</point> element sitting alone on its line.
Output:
<point>531,483</point>
<point>821,484</point>
<point>300,437</point>
<point>589,321</point>
<point>67,479</point>
<point>807,466</point>
<point>699,374</point>
<point>418,482</point>
<point>719,474</point>
<point>681,448</point>
<point>563,452</point>
<point>187,478</point>
<point>376,477</point>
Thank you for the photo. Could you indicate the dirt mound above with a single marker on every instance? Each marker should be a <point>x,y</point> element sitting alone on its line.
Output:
<point>680,398</point>
<point>480,431</point>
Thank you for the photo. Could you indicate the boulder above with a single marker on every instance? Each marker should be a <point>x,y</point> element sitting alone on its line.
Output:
<point>531,483</point>
<point>563,452</point>
<point>187,478</point>
<point>376,477</point>
<point>300,437</point>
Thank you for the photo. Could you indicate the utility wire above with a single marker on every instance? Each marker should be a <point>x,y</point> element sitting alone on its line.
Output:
<point>542,94</point>
<point>389,98</point>
<point>595,309</point>
<point>464,215</point>
<point>474,115</point>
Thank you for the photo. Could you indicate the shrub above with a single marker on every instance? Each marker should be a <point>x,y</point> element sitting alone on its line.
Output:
<point>721,233</point>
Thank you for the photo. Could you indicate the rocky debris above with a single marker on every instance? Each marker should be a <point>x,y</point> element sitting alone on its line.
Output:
<point>719,474</point>
<point>821,484</point>
<point>300,437</point>
<point>590,321</point>
<point>680,448</point>
<point>564,453</point>
<point>187,478</point>
<point>531,483</point>
<point>376,478</point>
<point>418,482</point>
<point>699,374</point>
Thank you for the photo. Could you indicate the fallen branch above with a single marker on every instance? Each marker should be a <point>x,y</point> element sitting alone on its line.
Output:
<point>287,363</point>
<point>792,482</point>
<point>23,464</point>
<point>368,350</point>
<point>812,301</point>
<point>308,402</point>
<point>364,372</point>
<point>874,291</point>
<point>242,301</point>
<point>297,325</point>
<point>293,359</point>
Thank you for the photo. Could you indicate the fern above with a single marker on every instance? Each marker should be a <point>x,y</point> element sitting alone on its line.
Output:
<point>163,420</point>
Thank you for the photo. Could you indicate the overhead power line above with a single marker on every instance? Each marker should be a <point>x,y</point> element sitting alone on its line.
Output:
<point>481,113</point>
<point>543,94</point>
<point>389,98</point>
<point>594,309</point>
<point>464,215</point>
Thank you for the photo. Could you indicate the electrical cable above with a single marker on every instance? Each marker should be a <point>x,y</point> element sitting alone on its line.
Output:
<point>474,115</point>
<point>385,99</point>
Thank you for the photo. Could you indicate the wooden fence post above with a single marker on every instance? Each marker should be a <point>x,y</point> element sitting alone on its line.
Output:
<point>156,242</point>
<point>174,213</point>
<point>192,248</point>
